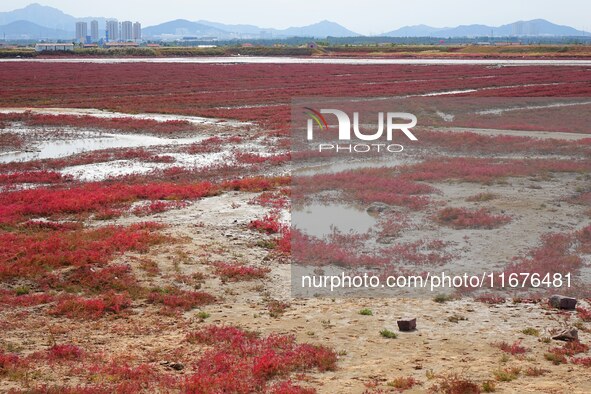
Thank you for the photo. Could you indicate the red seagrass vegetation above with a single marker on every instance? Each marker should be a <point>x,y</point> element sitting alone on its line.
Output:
<point>174,298</point>
<point>554,254</point>
<point>312,251</point>
<point>584,314</point>
<point>34,255</point>
<point>9,141</point>
<point>34,177</point>
<point>241,362</point>
<point>366,185</point>
<point>269,224</point>
<point>473,143</point>
<point>263,92</point>
<point>127,124</point>
<point>237,272</point>
<point>91,308</point>
<point>562,354</point>
<point>92,197</point>
<point>514,349</point>
<point>485,170</point>
<point>462,218</point>
<point>275,200</point>
<point>65,352</point>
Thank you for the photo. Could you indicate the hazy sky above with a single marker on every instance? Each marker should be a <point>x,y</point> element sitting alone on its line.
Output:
<point>365,16</point>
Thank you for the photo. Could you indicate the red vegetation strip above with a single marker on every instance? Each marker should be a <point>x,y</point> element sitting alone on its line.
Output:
<point>180,299</point>
<point>555,254</point>
<point>91,308</point>
<point>268,224</point>
<point>262,92</point>
<point>32,255</point>
<point>487,170</point>
<point>84,121</point>
<point>33,177</point>
<point>238,272</point>
<point>64,352</point>
<point>93,197</point>
<point>240,362</point>
<point>462,218</point>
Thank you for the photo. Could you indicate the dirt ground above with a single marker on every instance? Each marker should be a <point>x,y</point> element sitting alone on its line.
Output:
<point>453,337</point>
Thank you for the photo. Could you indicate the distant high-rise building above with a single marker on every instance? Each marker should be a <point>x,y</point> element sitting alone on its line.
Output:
<point>113,31</point>
<point>94,31</point>
<point>126,31</point>
<point>137,31</point>
<point>81,31</point>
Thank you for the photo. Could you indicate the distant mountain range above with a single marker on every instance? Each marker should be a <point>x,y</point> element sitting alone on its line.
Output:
<point>36,21</point>
<point>536,27</point>
<point>183,27</point>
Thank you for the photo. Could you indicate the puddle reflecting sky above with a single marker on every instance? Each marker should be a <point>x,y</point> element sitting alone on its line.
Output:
<point>91,141</point>
<point>318,220</point>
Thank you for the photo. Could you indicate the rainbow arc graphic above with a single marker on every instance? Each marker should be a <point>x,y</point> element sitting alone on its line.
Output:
<point>317,117</point>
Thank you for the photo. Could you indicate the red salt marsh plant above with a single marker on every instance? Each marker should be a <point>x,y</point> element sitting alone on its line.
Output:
<point>561,355</point>
<point>315,252</point>
<point>283,242</point>
<point>419,252</point>
<point>97,156</point>
<point>256,184</point>
<point>584,239</point>
<point>269,224</point>
<point>157,207</point>
<point>366,185</point>
<point>177,299</point>
<point>571,349</point>
<point>34,255</point>
<point>583,361</point>
<point>93,197</point>
<point>514,348</point>
<point>490,299</point>
<point>64,352</point>
<point>75,307</point>
<point>584,314</point>
<point>473,143</point>
<point>9,362</point>
<point>11,299</point>
<point>263,92</point>
<point>463,218</point>
<point>239,272</point>
<point>9,141</point>
<point>95,280</point>
<point>403,383</point>
<point>242,362</point>
<point>275,200</point>
<point>485,170</point>
<point>127,124</point>
<point>554,254</point>
<point>34,177</point>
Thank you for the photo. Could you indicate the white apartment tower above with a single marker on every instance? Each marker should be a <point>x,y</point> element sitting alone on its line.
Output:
<point>126,31</point>
<point>94,31</point>
<point>113,31</point>
<point>81,31</point>
<point>137,31</point>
